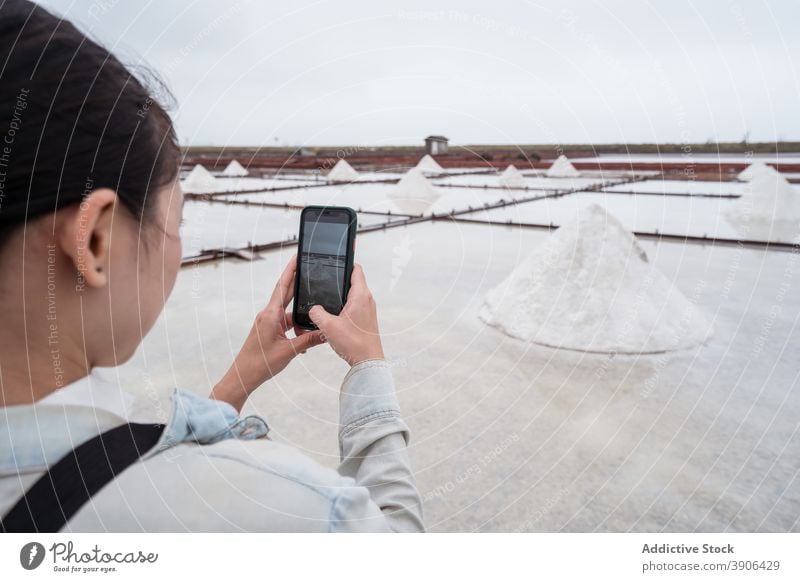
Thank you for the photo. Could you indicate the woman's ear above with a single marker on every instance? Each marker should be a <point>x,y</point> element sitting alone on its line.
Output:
<point>84,234</point>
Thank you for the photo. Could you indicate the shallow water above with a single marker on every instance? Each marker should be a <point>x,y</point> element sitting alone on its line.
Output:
<point>209,225</point>
<point>379,198</point>
<point>531,181</point>
<point>682,187</point>
<point>371,197</point>
<point>511,436</point>
<point>213,225</point>
<point>666,215</point>
<point>230,184</point>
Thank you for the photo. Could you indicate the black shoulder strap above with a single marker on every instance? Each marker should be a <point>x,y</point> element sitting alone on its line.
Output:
<point>72,481</point>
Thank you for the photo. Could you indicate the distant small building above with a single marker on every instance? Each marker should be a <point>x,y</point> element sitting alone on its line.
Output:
<point>436,144</point>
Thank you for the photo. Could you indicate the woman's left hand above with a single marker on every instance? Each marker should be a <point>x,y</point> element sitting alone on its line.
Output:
<point>267,350</point>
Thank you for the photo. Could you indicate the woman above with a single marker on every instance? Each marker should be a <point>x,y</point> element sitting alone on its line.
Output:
<point>90,210</point>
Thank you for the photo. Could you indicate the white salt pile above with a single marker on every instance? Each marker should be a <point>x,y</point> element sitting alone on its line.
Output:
<point>429,166</point>
<point>512,178</point>
<point>414,194</point>
<point>769,209</point>
<point>755,170</point>
<point>342,172</point>
<point>199,181</point>
<point>589,287</point>
<point>562,168</point>
<point>234,170</point>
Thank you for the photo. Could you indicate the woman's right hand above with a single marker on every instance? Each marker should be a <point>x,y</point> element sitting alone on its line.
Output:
<point>353,334</point>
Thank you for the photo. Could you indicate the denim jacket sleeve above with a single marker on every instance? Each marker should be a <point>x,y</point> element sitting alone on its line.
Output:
<point>373,446</point>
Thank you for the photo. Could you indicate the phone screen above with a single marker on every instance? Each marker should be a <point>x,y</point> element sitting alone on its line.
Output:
<point>323,261</point>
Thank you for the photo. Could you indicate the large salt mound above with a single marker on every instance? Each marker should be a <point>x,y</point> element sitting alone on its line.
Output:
<point>234,170</point>
<point>562,168</point>
<point>342,172</point>
<point>769,209</point>
<point>589,287</point>
<point>199,181</point>
<point>512,178</point>
<point>428,165</point>
<point>414,194</point>
<point>755,170</point>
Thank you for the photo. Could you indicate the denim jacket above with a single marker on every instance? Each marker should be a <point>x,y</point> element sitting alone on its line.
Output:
<point>213,470</point>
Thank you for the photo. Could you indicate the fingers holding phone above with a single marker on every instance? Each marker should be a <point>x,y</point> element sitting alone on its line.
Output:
<point>267,349</point>
<point>354,333</point>
<point>326,246</point>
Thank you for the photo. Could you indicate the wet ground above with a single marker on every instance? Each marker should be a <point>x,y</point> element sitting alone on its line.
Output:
<point>511,436</point>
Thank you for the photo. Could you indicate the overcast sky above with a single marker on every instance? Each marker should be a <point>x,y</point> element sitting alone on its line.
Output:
<point>254,72</point>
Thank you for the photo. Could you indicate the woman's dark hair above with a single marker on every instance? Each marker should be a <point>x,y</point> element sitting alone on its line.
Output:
<point>73,119</point>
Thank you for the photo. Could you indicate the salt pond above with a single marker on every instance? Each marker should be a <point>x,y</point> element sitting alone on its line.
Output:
<point>707,187</point>
<point>534,182</point>
<point>667,215</point>
<point>508,435</point>
<point>379,197</point>
<point>213,225</point>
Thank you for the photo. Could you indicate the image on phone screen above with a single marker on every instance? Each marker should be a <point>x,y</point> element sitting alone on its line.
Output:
<point>323,259</point>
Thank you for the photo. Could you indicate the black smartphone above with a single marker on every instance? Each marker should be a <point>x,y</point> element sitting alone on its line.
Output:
<point>326,247</point>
